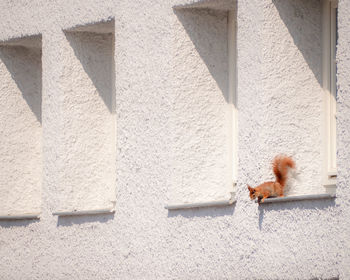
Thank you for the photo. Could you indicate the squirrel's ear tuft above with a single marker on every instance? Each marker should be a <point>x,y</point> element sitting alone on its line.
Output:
<point>249,188</point>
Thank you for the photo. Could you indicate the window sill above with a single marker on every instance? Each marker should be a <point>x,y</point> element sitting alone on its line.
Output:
<point>298,198</point>
<point>225,5</point>
<point>27,216</point>
<point>215,203</point>
<point>84,212</point>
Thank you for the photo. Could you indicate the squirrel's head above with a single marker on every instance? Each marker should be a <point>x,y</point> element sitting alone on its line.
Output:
<point>252,192</point>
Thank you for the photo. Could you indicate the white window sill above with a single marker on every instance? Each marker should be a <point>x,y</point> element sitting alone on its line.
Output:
<point>84,212</point>
<point>298,198</point>
<point>215,203</point>
<point>225,5</point>
<point>25,216</point>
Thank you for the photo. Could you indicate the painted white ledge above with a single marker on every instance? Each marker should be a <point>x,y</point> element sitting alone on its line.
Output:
<point>213,203</point>
<point>84,212</point>
<point>298,198</point>
<point>20,216</point>
<point>225,5</point>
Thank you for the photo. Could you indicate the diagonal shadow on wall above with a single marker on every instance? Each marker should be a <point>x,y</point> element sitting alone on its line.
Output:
<point>24,66</point>
<point>207,30</point>
<point>95,52</point>
<point>303,20</point>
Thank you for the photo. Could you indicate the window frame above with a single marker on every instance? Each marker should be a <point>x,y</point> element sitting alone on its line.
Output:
<point>232,92</point>
<point>329,40</point>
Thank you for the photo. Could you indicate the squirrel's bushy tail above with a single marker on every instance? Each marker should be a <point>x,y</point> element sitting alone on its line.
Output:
<point>280,168</point>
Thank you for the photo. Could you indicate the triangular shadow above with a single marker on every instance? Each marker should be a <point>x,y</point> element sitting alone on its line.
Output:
<point>95,52</point>
<point>24,65</point>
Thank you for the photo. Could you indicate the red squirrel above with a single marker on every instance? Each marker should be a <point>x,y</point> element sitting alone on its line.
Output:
<point>280,167</point>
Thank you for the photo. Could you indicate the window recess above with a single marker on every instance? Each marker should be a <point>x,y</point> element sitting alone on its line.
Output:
<point>20,128</point>
<point>88,120</point>
<point>205,127</point>
<point>309,79</point>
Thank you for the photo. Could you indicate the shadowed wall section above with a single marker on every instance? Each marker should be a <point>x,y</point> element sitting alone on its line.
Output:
<point>88,120</point>
<point>20,126</point>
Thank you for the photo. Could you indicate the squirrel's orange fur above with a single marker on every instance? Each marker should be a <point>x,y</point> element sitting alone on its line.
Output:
<point>280,167</point>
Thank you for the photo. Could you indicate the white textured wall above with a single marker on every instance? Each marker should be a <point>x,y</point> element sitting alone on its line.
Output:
<point>20,132</point>
<point>88,117</point>
<point>200,160</point>
<point>343,131</point>
<point>292,85</point>
<point>142,240</point>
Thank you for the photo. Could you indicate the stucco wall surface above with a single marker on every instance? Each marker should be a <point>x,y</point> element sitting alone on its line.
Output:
<point>160,113</point>
<point>292,89</point>
<point>88,113</point>
<point>20,133</point>
<point>200,160</point>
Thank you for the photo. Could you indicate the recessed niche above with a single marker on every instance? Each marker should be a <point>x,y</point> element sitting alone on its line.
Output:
<point>20,126</point>
<point>202,150</point>
<point>293,94</point>
<point>88,115</point>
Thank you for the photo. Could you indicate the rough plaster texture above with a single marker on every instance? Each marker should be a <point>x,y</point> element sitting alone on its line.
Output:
<point>21,132</point>
<point>292,89</point>
<point>142,240</point>
<point>88,119</point>
<point>201,112</point>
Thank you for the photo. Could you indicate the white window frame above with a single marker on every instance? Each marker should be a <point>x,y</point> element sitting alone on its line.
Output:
<point>232,89</point>
<point>329,38</point>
